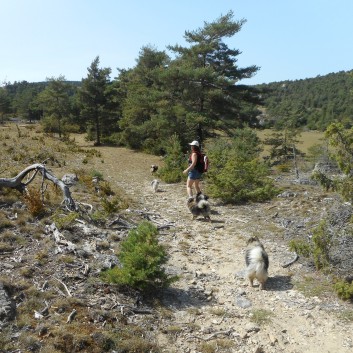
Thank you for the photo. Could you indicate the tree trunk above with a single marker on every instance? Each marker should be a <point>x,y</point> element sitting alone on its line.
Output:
<point>98,136</point>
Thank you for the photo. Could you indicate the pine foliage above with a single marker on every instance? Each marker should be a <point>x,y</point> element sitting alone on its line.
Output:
<point>174,162</point>
<point>142,259</point>
<point>237,174</point>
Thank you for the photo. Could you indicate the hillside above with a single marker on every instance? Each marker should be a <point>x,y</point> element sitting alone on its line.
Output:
<point>312,103</point>
<point>210,309</point>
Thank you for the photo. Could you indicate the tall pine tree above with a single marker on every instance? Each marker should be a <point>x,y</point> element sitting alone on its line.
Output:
<point>208,77</point>
<point>193,95</point>
<point>96,99</point>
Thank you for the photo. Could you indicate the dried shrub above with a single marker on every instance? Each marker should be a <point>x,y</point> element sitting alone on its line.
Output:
<point>261,316</point>
<point>27,272</point>
<point>4,222</point>
<point>34,202</point>
<point>5,248</point>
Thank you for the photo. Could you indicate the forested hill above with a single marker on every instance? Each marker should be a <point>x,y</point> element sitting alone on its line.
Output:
<point>313,102</point>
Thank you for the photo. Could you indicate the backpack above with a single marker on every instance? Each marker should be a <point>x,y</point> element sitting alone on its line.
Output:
<point>202,163</point>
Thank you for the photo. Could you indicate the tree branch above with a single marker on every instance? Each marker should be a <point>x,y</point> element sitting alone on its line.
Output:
<point>17,183</point>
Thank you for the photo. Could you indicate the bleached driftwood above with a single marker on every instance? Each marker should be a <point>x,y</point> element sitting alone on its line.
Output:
<point>18,183</point>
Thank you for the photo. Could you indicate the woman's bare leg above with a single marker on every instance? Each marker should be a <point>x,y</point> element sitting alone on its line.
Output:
<point>197,186</point>
<point>189,184</point>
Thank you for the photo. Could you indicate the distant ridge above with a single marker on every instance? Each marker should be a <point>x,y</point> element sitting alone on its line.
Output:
<point>312,102</point>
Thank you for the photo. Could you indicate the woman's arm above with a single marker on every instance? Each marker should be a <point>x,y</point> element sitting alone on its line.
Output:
<point>193,163</point>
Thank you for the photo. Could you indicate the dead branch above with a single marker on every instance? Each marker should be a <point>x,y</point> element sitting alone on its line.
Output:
<point>86,270</point>
<point>71,316</point>
<point>122,222</point>
<point>212,336</point>
<point>165,226</point>
<point>87,205</point>
<point>18,183</point>
<point>152,218</point>
<point>64,285</point>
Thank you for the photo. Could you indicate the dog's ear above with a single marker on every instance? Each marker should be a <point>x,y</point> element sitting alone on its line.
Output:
<point>252,240</point>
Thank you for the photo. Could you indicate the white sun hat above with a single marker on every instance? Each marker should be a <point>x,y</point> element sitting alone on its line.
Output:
<point>194,143</point>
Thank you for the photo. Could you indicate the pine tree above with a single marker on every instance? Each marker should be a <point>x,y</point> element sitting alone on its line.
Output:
<point>208,77</point>
<point>96,98</point>
<point>55,102</point>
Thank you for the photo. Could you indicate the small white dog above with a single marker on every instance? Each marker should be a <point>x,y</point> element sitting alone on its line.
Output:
<point>257,262</point>
<point>155,185</point>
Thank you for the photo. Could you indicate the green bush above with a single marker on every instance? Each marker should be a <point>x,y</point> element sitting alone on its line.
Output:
<point>326,182</point>
<point>174,162</point>
<point>345,188</point>
<point>344,290</point>
<point>261,316</point>
<point>341,141</point>
<point>236,174</point>
<point>301,247</point>
<point>142,258</point>
<point>110,204</point>
<point>322,242</point>
<point>318,249</point>
<point>97,175</point>
<point>64,222</point>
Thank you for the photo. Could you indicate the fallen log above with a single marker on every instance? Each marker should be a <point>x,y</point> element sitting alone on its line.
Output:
<point>18,183</point>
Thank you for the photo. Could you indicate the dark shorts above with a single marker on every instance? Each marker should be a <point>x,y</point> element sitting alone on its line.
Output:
<point>194,174</point>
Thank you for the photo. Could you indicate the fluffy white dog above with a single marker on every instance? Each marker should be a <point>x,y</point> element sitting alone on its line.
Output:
<point>257,262</point>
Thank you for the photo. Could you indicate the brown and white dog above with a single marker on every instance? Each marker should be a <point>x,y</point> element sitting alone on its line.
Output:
<point>257,262</point>
<point>154,168</point>
<point>199,206</point>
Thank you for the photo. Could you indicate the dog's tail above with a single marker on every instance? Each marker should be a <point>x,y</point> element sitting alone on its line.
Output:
<point>258,258</point>
<point>203,204</point>
<point>261,269</point>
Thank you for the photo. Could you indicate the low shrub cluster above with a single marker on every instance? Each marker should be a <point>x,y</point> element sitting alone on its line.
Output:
<point>237,174</point>
<point>318,248</point>
<point>344,290</point>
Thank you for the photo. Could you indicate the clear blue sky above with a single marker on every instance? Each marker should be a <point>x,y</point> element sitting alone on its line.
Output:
<point>288,39</point>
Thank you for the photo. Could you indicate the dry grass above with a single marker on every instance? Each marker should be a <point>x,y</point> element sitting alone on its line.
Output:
<point>306,139</point>
<point>23,148</point>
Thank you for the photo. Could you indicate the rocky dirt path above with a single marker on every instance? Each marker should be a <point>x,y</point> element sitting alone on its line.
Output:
<point>212,308</point>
